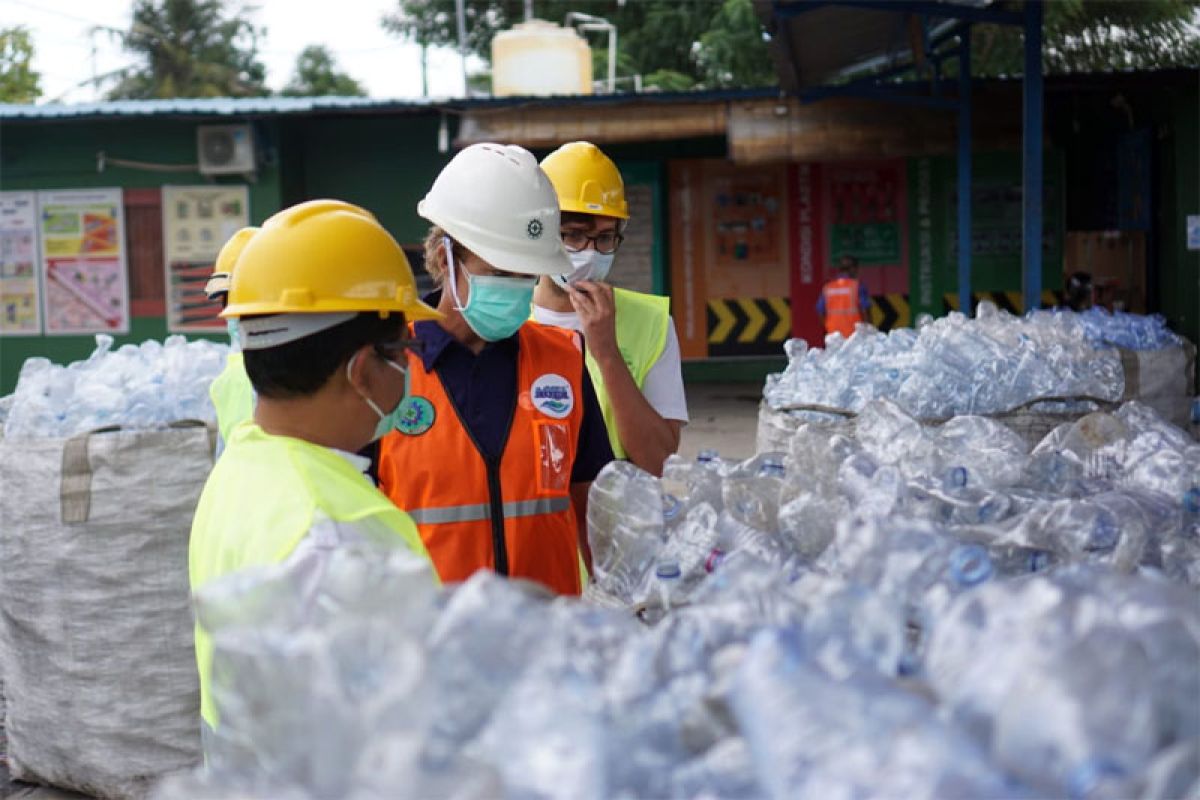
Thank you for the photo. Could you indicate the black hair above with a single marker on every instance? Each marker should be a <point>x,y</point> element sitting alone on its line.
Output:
<point>301,368</point>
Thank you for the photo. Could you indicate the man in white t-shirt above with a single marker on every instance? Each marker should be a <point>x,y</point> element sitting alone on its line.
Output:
<point>632,348</point>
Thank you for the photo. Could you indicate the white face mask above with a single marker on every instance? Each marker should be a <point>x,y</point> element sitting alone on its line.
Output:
<point>589,264</point>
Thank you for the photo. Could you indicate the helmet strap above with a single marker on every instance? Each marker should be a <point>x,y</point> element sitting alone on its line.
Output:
<point>450,267</point>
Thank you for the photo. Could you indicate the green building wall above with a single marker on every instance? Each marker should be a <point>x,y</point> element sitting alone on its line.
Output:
<point>63,154</point>
<point>995,225</point>
<point>1179,196</point>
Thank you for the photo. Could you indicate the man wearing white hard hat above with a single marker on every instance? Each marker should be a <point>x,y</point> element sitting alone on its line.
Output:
<point>501,434</point>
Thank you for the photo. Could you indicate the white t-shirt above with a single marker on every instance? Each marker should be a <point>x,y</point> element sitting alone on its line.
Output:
<point>663,387</point>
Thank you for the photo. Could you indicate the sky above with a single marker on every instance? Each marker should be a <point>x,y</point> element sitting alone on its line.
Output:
<point>71,45</point>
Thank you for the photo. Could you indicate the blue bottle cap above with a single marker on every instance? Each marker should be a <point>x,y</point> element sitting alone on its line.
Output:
<point>667,570</point>
<point>1191,500</point>
<point>672,506</point>
<point>957,476</point>
<point>970,564</point>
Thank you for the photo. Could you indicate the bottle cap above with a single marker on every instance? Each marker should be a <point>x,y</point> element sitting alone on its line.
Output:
<point>970,564</point>
<point>667,570</point>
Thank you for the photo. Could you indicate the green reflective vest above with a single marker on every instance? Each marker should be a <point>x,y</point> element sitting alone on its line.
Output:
<point>642,324</point>
<point>261,499</point>
<point>232,395</point>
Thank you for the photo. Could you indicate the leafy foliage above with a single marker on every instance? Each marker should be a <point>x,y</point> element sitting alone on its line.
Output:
<point>1097,36</point>
<point>19,83</point>
<point>672,44</point>
<point>317,75</point>
<point>190,48</point>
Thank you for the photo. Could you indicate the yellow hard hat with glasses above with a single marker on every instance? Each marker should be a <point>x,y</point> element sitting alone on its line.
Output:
<point>586,180</point>
<point>320,257</point>
<point>218,282</point>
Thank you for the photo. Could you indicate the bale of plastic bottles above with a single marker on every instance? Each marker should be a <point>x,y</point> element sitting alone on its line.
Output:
<point>102,464</point>
<point>918,612</point>
<point>1033,373</point>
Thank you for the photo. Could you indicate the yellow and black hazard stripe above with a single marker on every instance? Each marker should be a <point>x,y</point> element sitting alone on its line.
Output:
<point>748,325</point>
<point>890,311</point>
<point>1012,302</point>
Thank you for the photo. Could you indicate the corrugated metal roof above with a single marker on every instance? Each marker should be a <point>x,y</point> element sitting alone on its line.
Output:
<point>301,106</point>
<point>212,107</point>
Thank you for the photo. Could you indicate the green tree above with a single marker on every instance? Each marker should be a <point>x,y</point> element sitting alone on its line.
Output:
<point>190,48</point>
<point>661,40</point>
<point>1095,36</point>
<point>732,51</point>
<point>317,75</point>
<point>19,83</point>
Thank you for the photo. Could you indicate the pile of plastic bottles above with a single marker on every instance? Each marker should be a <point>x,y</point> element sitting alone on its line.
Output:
<point>1104,328</point>
<point>137,386</point>
<point>953,365</point>
<point>918,612</point>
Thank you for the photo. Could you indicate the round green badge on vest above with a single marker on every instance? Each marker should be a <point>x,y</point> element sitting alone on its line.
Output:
<point>416,416</point>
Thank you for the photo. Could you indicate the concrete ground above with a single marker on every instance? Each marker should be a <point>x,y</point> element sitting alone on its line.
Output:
<point>724,416</point>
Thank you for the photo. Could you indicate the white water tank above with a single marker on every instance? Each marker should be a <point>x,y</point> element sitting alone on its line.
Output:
<point>540,58</point>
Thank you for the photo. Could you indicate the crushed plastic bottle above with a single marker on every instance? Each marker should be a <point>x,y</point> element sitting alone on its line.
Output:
<point>136,386</point>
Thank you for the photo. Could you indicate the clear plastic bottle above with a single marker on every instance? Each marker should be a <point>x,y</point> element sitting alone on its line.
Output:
<point>625,528</point>
<point>753,488</point>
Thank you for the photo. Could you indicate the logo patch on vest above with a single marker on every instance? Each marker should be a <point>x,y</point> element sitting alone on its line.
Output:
<point>416,416</point>
<point>552,395</point>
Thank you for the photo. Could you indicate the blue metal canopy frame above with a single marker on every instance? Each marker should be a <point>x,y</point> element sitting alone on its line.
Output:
<point>933,49</point>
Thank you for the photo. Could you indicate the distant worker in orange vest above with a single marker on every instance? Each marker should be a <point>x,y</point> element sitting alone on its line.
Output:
<point>844,301</point>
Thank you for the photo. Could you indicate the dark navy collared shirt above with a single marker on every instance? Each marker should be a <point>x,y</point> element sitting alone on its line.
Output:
<point>483,388</point>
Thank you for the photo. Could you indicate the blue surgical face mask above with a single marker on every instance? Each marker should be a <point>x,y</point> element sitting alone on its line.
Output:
<point>235,340</point>
<point>497,306</point>
<point>390,421</point>
<point>589,264</point>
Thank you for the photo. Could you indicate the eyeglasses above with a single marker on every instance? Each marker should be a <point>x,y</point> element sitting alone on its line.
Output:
<point>607,242</point>
<point>397,348</point>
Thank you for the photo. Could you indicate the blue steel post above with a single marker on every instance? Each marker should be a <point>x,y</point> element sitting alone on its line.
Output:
<point>964,172</point>
<point>1031,135</point>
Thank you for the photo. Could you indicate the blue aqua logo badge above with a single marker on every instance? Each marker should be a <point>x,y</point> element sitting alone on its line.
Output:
<point>416,416</point>
<point>552,395</point>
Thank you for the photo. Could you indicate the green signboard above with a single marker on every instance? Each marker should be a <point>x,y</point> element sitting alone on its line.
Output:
<point>996,209</point>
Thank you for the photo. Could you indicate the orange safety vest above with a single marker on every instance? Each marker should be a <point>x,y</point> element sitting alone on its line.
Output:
<point>841,306</point>
<point>514,515</point>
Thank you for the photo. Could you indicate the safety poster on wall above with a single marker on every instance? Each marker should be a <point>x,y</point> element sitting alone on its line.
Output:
<point>20,294</point>
<point>197,221</point>
<point>85,274</point>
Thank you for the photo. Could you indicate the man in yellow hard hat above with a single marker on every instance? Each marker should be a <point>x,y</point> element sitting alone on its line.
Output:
<point>322,294</point>
<point>632,349</point>
<point>231,392</point>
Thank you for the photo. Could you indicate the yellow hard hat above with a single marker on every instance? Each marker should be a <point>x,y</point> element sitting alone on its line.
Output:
<point>586,180</point>
<point>323,256</point>
<point>218,282</point>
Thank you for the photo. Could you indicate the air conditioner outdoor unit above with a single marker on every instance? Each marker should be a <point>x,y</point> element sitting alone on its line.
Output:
<point>225,149</point>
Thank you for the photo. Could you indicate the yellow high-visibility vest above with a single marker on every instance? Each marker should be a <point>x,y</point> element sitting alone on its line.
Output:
<point>642,324</point>
<point>232,395</point>
<point>260,501</point>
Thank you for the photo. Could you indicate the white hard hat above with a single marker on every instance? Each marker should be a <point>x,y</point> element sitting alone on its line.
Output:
<point>497,202</point>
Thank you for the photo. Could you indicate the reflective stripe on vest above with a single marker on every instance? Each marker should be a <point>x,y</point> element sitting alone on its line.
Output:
<point>642,322</point>
<point>478,511</point>
<point>841,306</point>
<point>513,515</point>
<point>260,501</point>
